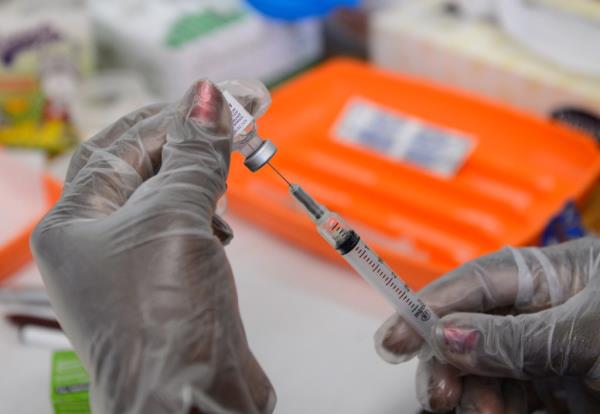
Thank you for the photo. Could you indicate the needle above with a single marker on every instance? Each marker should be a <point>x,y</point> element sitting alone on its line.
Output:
<point>279,174</point>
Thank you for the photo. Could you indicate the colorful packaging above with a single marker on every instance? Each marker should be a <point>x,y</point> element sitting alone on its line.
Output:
<point>38,36</point>
<point>70,384</point>
<point>45,49</point>
<point>29,119</point>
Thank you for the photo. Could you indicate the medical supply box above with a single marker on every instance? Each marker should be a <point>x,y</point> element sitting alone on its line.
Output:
<point>430,176</point>
<point>430,40</point>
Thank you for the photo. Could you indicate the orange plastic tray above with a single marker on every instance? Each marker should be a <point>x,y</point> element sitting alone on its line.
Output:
<point>520,173</point>
<point>16,252</point>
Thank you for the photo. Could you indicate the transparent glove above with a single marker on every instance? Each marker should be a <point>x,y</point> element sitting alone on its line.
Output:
<point>134,264</point>
<point>520,330</point>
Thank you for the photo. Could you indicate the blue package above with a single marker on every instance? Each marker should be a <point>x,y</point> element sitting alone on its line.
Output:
<point>564,226</point>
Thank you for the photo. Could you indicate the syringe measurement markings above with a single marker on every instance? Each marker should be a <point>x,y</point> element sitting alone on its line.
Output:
<point>401,294</point>
<point>392,283</point>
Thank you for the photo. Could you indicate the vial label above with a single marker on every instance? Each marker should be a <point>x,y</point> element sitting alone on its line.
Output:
<point>241,118</point>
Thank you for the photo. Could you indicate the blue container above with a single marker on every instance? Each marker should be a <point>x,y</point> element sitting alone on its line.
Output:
<point>298,9</point>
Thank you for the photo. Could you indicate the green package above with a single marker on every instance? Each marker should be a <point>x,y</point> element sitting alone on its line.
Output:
<point>69,384</point>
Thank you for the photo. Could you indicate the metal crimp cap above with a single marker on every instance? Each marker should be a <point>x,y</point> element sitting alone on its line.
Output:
<point>261,156</point>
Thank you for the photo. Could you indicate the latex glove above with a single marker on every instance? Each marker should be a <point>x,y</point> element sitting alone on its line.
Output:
<point>135,270</point>
<point>553,340</point>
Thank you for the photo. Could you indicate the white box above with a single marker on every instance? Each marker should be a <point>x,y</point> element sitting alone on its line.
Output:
<point>422,38</point>
<point>176,43</point>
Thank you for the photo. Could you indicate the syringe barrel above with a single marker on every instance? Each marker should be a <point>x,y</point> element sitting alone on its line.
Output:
<point>368,264</point>
<point>379,275</point>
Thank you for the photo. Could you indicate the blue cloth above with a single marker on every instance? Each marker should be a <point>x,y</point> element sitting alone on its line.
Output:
<point>564,226</point>
<point>298,9</point>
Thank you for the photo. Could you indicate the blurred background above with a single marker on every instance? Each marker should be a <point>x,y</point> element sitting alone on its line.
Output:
<point>442,129</point>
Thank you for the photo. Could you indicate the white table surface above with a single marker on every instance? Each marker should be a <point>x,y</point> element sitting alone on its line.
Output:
<point>310,324</point>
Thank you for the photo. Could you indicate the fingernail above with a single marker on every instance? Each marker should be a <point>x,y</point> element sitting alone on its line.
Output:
<point>207,103</point>
<point>395,345</point>
<point>382,346</point>
<point>386,336</point>
<point>459,340</point>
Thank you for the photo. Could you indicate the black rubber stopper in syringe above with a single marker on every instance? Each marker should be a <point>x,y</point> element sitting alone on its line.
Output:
<point>349,243</point>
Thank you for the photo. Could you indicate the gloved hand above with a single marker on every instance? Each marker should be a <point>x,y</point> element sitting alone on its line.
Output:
<point>133,261</point>
<point>524,324</point>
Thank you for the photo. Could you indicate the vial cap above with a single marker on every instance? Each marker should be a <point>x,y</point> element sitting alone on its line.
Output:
<point>261,156</point>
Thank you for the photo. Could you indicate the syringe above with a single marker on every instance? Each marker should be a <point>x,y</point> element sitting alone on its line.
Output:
<point>335,231</point>
<point>367,264</point>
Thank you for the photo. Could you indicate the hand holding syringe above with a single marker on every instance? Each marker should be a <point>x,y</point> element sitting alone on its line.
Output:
<point>336,232</point>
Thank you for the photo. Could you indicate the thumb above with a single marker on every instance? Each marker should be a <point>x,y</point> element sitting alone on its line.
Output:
<point>559,341</point>
<point>196,155</point>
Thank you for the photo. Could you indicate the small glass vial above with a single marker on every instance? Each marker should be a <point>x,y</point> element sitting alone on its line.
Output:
<point>256,151</point>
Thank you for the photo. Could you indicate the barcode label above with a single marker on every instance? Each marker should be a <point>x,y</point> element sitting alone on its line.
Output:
<point>240,117</point>
<point>435,149</point>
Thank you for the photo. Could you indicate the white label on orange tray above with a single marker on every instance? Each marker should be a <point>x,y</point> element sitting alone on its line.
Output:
<point>403,138</point>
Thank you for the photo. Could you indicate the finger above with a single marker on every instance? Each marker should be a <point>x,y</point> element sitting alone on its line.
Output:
<point>528,280</point>
<point>396,341</point>
<point>514,395</point>
<point>112,174</point>
<point>439,386</point>
<point>261,397</point>
<point>195,158</point>
<point>550,395</point>
<point>175,138</point>
<point>578,396</point>
<point>481,396</point>
<point>222,230</point>
<point>260,388</point>
<point>109,135</point>
<point>476,286</point>
<point>533,399</point>
<point>554,342</point>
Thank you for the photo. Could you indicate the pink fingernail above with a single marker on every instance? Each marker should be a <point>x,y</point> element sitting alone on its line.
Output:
<point>208,102</point>
<point>460,340</point>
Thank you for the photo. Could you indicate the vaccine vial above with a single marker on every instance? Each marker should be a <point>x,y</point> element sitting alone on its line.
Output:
<point>256,151</point>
